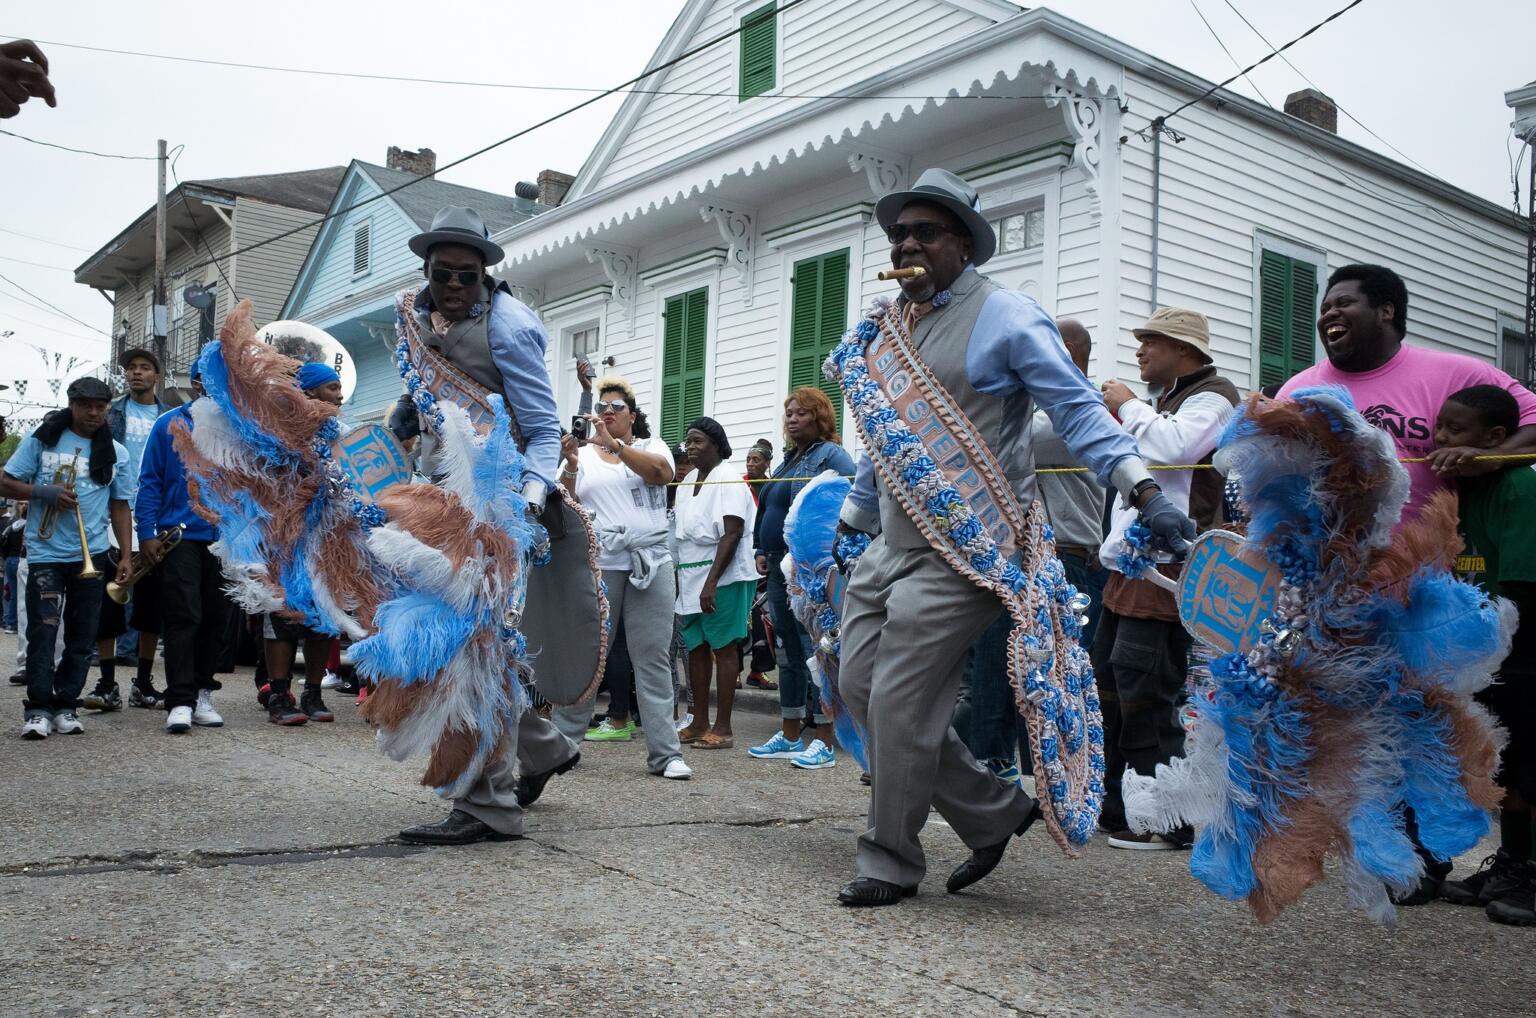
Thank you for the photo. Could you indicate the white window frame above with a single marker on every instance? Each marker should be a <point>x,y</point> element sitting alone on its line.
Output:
<point>352,247</point>
<point>663,289</point>
<point>562,323</point>
<point>1265,240</point>
<point>1019,190</point>
<point>741,10</point>
<point>819,239</point>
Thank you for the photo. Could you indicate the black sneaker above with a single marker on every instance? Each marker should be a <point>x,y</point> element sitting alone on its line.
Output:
<point>1517,906</point>
<point>1424,892</point>
<point>1490,882</point>
<point>313,707</point>
<point>348,676</point>
<point>18,679</point>
<point>147,697</point>
<point>105,697</point>
<point>281,710</point>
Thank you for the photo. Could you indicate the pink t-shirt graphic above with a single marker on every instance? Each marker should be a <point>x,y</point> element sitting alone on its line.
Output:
<point>1403,397</point>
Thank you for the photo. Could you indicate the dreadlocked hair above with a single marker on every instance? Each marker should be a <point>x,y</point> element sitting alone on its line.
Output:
<point>103,456</point>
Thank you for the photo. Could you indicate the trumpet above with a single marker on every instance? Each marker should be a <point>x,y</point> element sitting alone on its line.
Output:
<point>168,538</point>
<point>64,477</point>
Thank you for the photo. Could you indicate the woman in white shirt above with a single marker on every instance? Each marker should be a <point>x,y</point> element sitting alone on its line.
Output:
<point>716,577</point>
<point>620,474</point>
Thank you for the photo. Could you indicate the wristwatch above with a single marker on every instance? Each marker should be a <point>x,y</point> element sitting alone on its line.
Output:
<point>1140,487</point>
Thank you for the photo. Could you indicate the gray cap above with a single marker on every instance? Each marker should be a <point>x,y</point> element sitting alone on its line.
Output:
<point>89,388</point>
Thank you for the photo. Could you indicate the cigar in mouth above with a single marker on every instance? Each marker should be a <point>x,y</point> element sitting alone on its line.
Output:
<point>910,272</point>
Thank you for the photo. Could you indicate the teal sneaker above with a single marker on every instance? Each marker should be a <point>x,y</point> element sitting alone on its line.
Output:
<point>777,748</point>
<point>816,757</point>
<point>1004,767</point>
<point>607,731</point>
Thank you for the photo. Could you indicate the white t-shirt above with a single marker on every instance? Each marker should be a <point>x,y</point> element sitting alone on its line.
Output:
<point>700,525</point>
<point>617,495</point>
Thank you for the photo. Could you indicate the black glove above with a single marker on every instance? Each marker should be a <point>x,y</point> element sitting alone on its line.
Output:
<point>552,516</point>
<point>843,530</point>
<point>404,422</point>
<point>1172,531</point>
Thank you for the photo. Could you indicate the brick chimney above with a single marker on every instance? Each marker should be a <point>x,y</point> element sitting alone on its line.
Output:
<point>422,164</point>
<point>1315,108</point>
<point>553,185</point>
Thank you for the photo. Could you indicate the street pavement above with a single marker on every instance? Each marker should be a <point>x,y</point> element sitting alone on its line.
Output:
<point>252,870</point>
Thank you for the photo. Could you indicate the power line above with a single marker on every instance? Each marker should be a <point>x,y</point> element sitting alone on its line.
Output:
<point>511,137</point>
<point>45,240</point>
<point>35,265</point>
<point>198,230</point>
<point>1160,121</point>
<point>66,148</point>
<point>55,307</point>
<point>10,316</point>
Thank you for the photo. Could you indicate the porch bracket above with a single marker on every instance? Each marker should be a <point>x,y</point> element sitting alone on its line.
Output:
<point>1084,116</point>
<point>885,171</point>
<point>738,228</point>
<point>533,296</point>
<point>621,266</point>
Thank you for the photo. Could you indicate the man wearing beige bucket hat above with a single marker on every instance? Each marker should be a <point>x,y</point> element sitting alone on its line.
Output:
<point>1140,651</point>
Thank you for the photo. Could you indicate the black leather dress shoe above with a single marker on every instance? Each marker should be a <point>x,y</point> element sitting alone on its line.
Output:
<point>531,786</point>
<point>869,892</point>
<point>458,829</point>
<point>985,860</point>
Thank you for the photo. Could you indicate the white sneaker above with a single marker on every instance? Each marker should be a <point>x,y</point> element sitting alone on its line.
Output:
<point>37,726</point>
<point>331,681</point>
<point>204,714</point>
<point>66,723</point>
<point>684,721</point>
<point>677,770</point>
<point>179,720</point>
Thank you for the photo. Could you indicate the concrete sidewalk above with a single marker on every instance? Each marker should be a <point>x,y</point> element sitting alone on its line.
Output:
<point>254,870</point>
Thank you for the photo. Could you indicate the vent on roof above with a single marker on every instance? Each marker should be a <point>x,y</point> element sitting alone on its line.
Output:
<point>362,248</point>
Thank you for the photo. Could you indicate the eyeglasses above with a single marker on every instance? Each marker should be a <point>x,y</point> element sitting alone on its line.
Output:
<point>925,232</point>
<point>467,277</point>
<point>613,406</point>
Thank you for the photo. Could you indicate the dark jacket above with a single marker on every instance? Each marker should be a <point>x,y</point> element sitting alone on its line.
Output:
<point>1205,485</point>
<point>820,457</point>
<point>117,415</point>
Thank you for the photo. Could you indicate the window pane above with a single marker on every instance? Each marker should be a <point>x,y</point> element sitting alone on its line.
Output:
<point>1034,228</point>
<point>1012,235</point>
<point>584,342</point>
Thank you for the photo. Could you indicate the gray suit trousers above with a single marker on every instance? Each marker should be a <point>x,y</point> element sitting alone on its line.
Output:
<point>908,622</point>
<point>537,746</point>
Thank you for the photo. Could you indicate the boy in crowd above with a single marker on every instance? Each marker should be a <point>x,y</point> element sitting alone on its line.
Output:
<point>57,593</point>
<point>1496,514</point>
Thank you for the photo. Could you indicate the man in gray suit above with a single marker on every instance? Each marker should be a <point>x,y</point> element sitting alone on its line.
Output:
<point>908,616</point>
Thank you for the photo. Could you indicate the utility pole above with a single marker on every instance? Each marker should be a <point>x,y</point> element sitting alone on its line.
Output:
<point>1523,101</point>
<point>161,324</point>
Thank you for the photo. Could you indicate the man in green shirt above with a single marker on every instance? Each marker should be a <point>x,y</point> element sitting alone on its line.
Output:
<point>1497,513</point>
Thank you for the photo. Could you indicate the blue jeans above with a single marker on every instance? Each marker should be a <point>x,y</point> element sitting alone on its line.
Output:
<point>1088,577</point>
<point>797,692</point>
<point>990,724</point>
<point>9,614</point>
<point>56,595</point>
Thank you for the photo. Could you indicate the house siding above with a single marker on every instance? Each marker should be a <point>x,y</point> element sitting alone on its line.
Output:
<point>825,45</point>
<point>1233,176</point>
<point>332,283</point>
<point>265,275</point>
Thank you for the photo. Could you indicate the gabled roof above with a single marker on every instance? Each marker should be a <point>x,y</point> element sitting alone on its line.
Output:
<point>421,201</point>
<point>310,190</point>
<point>418,201</point>
<point>674,44</point>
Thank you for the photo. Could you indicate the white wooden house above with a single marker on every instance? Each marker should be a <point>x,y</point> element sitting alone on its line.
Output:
<point>720,237</point>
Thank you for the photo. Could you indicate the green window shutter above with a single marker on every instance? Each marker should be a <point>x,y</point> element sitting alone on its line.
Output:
<point>818,319</point>
<point>759,42</point>
<point>1287,317</point>
<point>684,355</point>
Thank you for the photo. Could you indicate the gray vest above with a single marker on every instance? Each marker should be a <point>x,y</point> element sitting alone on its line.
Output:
<point>467,345</point>
<point>942,339</point>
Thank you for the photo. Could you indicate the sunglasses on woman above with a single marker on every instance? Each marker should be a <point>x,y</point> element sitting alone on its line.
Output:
<point>466,277</point>
<point>612,406</point>
<point>925,232</point>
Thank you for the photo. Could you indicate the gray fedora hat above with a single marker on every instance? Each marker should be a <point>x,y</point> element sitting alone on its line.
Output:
<point>456,224</point>
<point>946,189</point>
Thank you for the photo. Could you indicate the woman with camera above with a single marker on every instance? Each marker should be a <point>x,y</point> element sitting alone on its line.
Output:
<point>620,473</point>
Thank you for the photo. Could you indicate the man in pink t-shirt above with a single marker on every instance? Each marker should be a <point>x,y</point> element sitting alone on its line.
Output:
<point>1400,388</point>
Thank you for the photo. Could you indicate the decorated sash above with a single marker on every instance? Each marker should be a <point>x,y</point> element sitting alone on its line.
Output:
<point>563,618</point>
<point>934,462</point>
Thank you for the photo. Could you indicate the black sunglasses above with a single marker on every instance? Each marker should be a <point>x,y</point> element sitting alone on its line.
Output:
<point>467,277</point>
<point>614,405</point>
<point>925,232</point>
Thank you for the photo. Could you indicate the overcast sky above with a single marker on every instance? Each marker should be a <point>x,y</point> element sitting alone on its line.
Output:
<point>1427,78</point>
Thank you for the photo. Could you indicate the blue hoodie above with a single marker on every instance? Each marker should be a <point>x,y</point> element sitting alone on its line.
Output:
<point>163,500</point>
